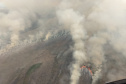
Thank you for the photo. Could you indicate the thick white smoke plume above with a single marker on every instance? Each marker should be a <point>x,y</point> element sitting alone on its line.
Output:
<point>96,76</point>
<point>110,14</point>
<point>73,20</point>
<point>104,22</point>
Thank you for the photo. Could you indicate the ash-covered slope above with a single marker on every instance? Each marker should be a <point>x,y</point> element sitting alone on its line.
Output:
<point>43,62</point>
<point>40,63</point>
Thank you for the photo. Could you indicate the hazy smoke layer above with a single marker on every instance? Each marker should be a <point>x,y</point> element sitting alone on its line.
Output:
<point>73,20</point>
<point>23,22</point>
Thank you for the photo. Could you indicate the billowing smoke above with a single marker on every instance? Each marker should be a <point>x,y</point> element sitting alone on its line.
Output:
<point>23,22</point>
<point>111,18</point>
<point>73,20</point>
<point>104,22</point>
<point>96,76</point>
<point>97,28</point>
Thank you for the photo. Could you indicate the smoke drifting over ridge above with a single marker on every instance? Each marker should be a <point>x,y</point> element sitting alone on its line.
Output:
<point>104,24</point>
<point>23,21</point>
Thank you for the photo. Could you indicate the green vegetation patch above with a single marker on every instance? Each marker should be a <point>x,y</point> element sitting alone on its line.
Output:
<point>33,68</point>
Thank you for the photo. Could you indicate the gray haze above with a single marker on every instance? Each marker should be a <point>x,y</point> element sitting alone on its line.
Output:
<point>23,22</point>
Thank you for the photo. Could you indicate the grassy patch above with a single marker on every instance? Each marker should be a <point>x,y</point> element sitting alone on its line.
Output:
<point>33,68</point>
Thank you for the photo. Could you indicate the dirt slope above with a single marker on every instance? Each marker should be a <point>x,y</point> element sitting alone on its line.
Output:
<point>41,63</point>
